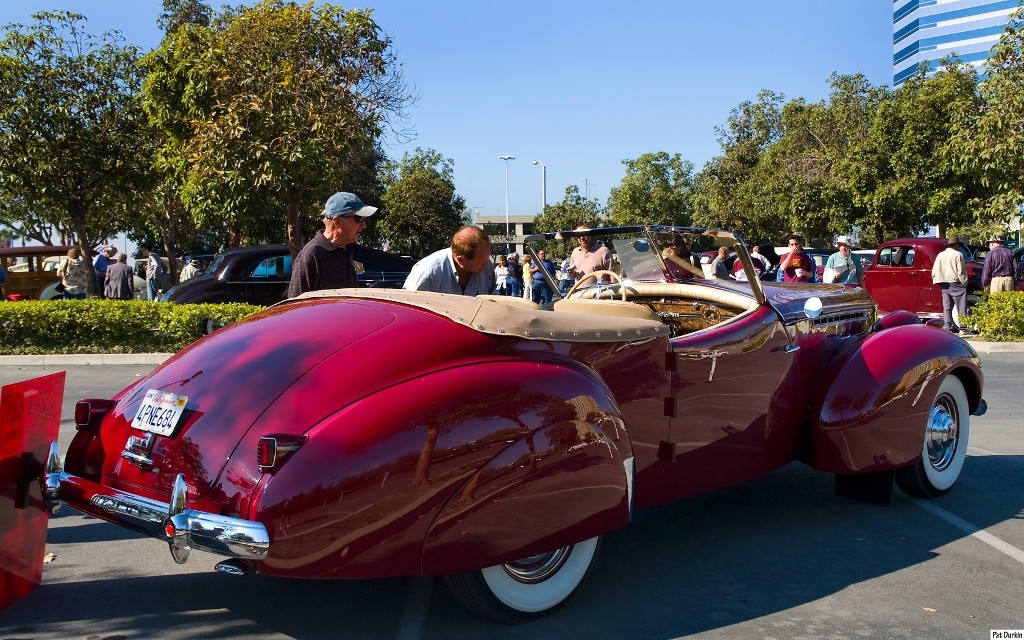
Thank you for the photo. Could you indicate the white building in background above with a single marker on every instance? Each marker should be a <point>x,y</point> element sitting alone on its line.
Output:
<point>925,31</point>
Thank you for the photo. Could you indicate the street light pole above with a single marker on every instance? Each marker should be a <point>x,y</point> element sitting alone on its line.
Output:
<point>543,185</point>
<point>508,236</point>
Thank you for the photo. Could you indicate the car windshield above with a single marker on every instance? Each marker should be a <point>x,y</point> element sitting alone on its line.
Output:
<point>654,254</point>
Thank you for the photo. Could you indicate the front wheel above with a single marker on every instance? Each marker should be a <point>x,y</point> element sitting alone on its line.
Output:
<point>528,588</point>
<point>945,444</point>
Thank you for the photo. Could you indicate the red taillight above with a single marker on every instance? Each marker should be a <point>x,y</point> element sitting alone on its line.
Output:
<point>273,450</point>
<point>90,412</point>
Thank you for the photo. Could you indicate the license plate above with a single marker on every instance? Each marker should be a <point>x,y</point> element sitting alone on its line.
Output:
<point>159,412</point>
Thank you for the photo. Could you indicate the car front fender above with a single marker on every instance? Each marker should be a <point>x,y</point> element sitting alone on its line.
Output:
<point>873,410</point>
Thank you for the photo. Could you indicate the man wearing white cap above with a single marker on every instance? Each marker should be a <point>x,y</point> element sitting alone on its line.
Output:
<point>841,268</point>
<point>326,262</point>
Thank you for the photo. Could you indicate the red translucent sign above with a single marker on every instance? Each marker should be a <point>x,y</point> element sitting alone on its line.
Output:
<point>29,419</point>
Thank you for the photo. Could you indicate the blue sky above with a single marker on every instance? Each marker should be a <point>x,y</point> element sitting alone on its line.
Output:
<point>580,85</point>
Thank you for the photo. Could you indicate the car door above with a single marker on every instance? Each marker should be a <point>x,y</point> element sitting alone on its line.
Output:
<point>267,283</point>
<point>724,383</point>
<point>894,281</point>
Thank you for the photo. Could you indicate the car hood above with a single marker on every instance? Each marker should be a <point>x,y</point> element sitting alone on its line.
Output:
<point>789,298</point>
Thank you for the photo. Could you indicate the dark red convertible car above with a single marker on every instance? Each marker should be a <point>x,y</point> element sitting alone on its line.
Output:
<point>367,433</point>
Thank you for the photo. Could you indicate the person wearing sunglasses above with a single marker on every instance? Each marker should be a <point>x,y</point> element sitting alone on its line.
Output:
<point>325,262</point>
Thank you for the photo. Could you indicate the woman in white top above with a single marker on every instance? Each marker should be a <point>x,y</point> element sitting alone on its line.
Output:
<point>503,277</point>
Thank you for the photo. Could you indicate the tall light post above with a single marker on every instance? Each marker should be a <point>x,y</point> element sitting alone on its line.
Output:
<point>508,236</point>
<point>543,185</point>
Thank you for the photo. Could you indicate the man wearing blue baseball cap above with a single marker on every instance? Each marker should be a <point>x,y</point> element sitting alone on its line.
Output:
<point>326,262</point>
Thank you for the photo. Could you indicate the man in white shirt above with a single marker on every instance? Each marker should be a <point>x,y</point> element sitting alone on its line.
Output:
<point>465,268</point>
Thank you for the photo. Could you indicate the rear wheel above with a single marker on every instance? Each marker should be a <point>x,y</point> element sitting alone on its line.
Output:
<point>945,444</point>
<point>528,588</point>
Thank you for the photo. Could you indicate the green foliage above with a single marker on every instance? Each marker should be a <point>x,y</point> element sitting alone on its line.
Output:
<point>656,190</point>
<point>989,140</point>
<point>72,147</point>
<point>180,12</point>
<point>1000,316</point>
<point>868,158</point>
<point>732,191</point>
<point>574,210</point>
<point>270,111</point>
<point>108,326</point>
<point>421,209</point>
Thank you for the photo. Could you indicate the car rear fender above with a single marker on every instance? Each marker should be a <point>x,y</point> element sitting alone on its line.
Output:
<point>474,452</point>
<point>874,405</point>
<point>566,480</point>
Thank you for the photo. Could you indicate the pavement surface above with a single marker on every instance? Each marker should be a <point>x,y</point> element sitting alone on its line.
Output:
<point>776,558</point>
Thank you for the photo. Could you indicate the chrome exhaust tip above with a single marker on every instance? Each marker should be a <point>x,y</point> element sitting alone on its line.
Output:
<point>232,566</point>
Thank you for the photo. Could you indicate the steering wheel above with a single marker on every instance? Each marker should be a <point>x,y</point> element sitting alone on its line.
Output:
<point>598,274</point>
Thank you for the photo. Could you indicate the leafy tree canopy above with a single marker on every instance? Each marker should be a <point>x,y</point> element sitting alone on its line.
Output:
<point>271,110</point>
<point>72,147</point>
<point>421,209</point>
<point>655,190</point>
<point>989,141</point>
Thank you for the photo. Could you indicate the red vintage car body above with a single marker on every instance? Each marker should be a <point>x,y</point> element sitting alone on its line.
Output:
<point>900,276</point>
<point>445,434</point>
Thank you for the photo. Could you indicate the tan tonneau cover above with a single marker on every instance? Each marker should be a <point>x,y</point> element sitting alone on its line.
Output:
<point>506,316</point>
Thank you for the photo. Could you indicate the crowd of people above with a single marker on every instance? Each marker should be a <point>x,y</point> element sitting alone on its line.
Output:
<point>467,268</point>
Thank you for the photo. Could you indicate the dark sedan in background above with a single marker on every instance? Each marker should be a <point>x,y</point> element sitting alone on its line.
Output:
<point>260,275</point>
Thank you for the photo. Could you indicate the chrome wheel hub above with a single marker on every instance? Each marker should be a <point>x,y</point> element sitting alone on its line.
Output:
<point>942,432</point>
<point>539,567</point>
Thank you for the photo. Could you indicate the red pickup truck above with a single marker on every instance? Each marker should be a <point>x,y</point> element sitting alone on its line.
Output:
<point>900,277</point>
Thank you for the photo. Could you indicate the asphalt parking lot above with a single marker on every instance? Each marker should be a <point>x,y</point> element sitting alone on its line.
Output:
<point>781,557</point>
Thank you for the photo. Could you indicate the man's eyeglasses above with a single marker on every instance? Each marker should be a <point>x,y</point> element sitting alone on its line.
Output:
<point>354,218</point>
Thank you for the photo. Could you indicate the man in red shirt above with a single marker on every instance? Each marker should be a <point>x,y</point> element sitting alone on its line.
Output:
<point>797,266</point>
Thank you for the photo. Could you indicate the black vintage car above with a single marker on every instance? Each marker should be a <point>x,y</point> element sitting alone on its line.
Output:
<point>260,275</point>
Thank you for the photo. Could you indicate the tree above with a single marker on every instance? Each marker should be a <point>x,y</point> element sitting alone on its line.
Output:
<point>421,209</point>
<point>656,190</point>
<point>989,141</point>
<point>730,191</point>
<point>574,210</point>
<point>72,142</point>
<point>271,110</point>
<point>180,12</point>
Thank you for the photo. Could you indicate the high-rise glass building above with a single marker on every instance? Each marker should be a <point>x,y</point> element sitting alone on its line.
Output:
<point>928,30</point>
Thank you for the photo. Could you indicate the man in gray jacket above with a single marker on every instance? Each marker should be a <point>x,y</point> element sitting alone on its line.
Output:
<point>950,273</point>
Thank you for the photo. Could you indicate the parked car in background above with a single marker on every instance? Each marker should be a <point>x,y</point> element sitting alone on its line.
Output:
<point>865,257</point>
<point>900,277</point>
<point>372,433</point>
<point>260,275</point>
<point>32,271</point>
<point>979,251</point>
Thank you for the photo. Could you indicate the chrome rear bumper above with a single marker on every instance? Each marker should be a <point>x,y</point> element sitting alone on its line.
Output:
<point>182,528</point>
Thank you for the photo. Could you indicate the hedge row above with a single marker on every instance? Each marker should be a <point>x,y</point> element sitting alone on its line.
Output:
<point>109,326</point>
<point>1000,316</point>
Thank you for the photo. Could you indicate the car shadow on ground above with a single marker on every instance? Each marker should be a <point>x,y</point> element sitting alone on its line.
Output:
<point>688,568</point>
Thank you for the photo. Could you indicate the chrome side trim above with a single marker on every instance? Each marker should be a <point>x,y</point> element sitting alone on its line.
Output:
<point>192,529</point>
<point>628,466</point>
